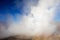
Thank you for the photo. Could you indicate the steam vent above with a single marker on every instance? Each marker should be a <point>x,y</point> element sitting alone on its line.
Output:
<point>29,19</point>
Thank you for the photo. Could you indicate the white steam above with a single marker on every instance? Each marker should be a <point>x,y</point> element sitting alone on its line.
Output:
<point>39,21</point>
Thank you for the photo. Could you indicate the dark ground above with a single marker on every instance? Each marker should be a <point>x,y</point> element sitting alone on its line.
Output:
<point>12,38</point>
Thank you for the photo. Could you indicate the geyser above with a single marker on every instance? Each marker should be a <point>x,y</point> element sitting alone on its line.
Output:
<point>38,21</point>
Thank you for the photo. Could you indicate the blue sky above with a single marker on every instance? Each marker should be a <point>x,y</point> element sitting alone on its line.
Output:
<point>57,16</point>
<point>7,6</point>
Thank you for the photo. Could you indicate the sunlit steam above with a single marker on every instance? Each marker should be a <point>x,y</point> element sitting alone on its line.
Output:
<point>38,21</point>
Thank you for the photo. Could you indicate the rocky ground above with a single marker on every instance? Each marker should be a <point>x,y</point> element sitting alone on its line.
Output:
<point>52,37</point>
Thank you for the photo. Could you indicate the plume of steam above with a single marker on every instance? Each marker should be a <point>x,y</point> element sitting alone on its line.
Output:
<point>38,20</point>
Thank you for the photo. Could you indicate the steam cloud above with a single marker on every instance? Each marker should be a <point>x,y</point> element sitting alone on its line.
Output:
<point>37,18</point>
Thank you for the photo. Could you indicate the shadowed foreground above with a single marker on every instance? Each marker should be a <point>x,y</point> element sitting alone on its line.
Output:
<point>52,37</point>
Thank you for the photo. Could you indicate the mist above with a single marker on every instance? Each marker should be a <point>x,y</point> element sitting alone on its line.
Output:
<point>36,17</point>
